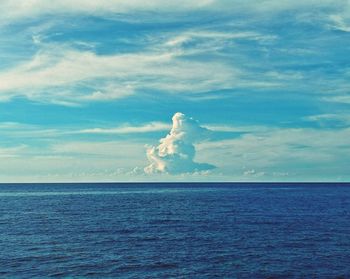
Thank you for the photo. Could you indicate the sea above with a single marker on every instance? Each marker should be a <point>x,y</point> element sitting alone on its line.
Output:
<point>175,230</point>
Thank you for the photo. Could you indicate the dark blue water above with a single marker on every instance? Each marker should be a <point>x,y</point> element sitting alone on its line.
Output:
<point>175,230</point>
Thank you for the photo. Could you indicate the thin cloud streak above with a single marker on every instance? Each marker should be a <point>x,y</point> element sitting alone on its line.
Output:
<point>147,128</point>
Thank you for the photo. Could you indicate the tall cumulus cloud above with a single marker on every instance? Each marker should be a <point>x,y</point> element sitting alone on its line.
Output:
<point>175,152</point>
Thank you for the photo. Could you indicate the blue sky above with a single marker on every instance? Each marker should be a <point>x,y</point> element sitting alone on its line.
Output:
<point>87,89</point>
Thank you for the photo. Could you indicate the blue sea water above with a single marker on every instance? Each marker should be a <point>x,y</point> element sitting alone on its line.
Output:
<point>175,230</point>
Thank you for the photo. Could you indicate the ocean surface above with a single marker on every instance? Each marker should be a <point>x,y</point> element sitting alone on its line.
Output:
<point>175,230</point>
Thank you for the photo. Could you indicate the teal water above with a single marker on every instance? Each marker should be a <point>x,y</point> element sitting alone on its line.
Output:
<point>175,230</point>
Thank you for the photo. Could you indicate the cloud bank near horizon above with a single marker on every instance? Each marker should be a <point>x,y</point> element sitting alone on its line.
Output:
<point>176,152</point>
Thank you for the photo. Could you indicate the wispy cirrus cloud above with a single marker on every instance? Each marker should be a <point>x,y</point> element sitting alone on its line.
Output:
<point>23,130</point>
<point>126,129</point>
<point>340,20</point>
<point>16,9</point>
<point>210,39</point>
<point>16,130</point>
<point>13,130</point>
<point>330,119</point>
<point>170,62</point>
<point>345,99</point>
<point>53,74</point>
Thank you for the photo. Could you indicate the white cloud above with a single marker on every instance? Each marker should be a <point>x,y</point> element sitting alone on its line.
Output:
<point>338,99</point>
<point>18,9</point>
<point>259,154</point>
<point>71,161</point>
<point>238,129</point>
<point>120,150</point>
<point>149,127</point>
<point>340,22</point>
<point>61,75</point>
<point>213,38</point>
<point>303,153</point>
<point>329,119</point>
<point>253,173</point>
<point>23,130</point>
<point>12,125</point>
<point>11,152</point>
<point>176,152</point>
<point>53,75</point>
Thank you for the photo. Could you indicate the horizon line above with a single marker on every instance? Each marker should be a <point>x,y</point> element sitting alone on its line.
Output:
<point>187,182</point>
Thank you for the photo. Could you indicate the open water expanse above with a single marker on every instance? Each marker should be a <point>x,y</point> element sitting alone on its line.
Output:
<point>175,230</point>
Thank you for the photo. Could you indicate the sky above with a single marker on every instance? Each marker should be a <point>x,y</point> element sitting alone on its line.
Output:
<point>210,90</point>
